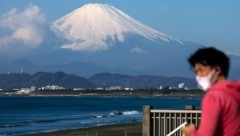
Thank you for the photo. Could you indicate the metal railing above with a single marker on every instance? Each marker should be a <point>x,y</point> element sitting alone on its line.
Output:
<point>162,122</point>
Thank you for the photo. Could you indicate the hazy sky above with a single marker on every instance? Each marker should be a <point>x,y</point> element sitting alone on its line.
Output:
<point>209,22</point>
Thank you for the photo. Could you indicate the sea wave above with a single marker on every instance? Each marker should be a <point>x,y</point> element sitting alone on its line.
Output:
<point>130,112</point>
<point>116,113</point>
<point>26,123</point>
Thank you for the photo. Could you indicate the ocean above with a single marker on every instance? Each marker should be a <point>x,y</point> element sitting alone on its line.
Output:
<point>27,115</point>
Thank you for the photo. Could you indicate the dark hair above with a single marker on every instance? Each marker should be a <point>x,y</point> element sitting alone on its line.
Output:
<point>210,57</point>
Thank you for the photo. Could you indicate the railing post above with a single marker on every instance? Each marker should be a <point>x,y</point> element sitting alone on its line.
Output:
<point>146,125</point>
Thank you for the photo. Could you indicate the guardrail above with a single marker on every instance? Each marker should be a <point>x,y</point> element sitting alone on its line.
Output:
<point>162,122</point>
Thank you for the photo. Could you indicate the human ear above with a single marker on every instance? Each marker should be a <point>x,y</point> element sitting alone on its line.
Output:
<point>218,70</point>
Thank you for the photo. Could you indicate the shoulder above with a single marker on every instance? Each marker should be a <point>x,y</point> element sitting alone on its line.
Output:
<point>211,102</point>
<point>215,96</point>
<point>225,89</point>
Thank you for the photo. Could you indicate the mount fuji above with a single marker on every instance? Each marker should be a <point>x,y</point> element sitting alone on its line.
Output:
<point>101,38</point>
<point>94,26</point>
<point>109,38</point>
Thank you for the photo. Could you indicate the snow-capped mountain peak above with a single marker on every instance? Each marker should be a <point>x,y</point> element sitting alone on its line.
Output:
<point>91,26</point>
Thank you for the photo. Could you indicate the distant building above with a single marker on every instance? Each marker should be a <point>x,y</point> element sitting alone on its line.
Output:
<point>16,89</point>
<point>181,86</point>
<point>171,88</point>
<point>160,87</point>
<point>114,88</point>
<point>33,88</point>
<point>128,89</point>
<point>99,88</point>
<point>79,89</point>
<point>186,88</point>
<point>24,91</point>
<point>52,87</point>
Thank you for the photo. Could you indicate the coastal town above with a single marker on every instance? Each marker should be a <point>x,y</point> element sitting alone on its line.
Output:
<point>55,90</point>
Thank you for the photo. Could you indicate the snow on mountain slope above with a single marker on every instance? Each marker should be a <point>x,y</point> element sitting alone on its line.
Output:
<point>93,27</point>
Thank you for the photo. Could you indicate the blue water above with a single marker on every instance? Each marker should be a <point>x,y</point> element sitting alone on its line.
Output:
<point>24,115</point>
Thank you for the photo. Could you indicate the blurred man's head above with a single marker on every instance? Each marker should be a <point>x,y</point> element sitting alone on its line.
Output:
<point>210,66</point>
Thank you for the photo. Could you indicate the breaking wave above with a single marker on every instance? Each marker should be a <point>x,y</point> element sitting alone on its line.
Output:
<point>117,113</point>
<point>130,112</point>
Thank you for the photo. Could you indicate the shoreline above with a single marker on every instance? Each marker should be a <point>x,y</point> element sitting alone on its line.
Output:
<point>130,93</point>
<point>131,129</point>
<point>173,95</point>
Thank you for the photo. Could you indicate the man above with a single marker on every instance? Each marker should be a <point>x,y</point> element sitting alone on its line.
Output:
<point>221,103</point>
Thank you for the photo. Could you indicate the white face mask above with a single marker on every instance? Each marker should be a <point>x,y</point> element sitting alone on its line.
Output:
<point>205,82</point>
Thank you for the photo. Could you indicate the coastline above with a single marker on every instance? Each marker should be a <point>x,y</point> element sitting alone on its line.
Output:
<point>129,129</point>
<point>119,93</point>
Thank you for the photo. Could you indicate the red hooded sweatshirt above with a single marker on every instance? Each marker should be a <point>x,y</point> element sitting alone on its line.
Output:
<point>220,110</point>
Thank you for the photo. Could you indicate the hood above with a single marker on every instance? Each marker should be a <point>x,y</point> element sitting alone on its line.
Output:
<point>231,88</point>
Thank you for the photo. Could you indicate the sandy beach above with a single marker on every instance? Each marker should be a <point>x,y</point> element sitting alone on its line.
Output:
<point>127,129</point>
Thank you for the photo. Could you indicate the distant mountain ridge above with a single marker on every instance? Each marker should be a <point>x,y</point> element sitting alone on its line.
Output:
<point>139,82</point>
<point>40,79</point>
